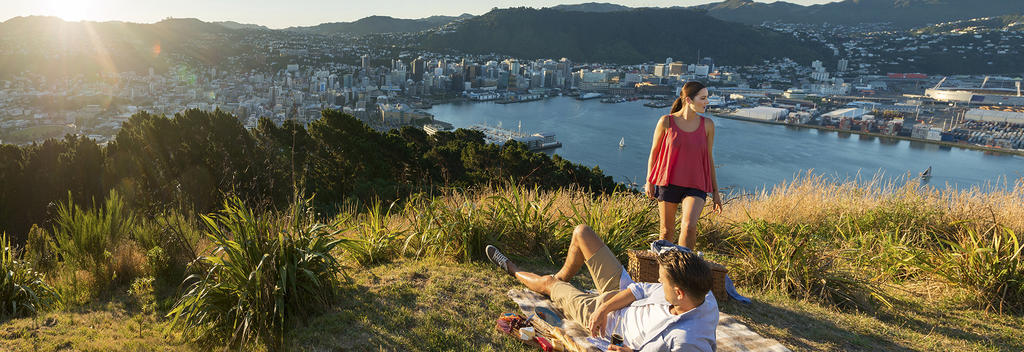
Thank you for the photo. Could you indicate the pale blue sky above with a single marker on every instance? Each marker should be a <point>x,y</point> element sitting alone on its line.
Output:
<point>285,13</point>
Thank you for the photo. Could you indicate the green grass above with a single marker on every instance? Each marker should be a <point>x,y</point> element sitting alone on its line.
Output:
<point>830,266</point>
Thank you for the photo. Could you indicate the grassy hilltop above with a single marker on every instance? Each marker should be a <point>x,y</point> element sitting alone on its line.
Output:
<point>193,233</point>
<point>830,266</point>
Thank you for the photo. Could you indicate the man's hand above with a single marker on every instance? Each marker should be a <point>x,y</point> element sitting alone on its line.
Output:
<point>614,348</point>
<point>597,322</point>
<point>649,190</point>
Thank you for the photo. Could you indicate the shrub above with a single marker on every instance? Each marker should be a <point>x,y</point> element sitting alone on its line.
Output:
<point>520,213</point>
<point>464,225</point>
<point>176,234</point>
<point>794,260</point>
<point>988,262</point>
<point>86,237</point>
<point>374,240</point>
<point>40,250</point>
<point>22,289</point>
<point>142,292</point>
<point>260,277</point>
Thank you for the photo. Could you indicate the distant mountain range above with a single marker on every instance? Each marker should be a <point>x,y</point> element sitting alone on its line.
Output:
<point>903,13</point>
<point>380,24</point>
<point>592,7</point>
<point>109,46</point>
<point>637,35</point>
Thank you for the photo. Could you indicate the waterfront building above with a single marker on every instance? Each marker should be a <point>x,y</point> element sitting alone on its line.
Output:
<point>1011,117</point>
<point>765,113</point>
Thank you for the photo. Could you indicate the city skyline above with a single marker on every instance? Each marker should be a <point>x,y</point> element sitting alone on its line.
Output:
<point>278,15</point>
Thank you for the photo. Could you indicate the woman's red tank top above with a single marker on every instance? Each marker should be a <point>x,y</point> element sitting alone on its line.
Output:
<point>683,159</point>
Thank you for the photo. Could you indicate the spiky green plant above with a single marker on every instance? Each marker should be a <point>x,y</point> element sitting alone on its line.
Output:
<point>794,259</point>
<point>86,237</point>
<point>989,262</point>
<point>520,213</point>
<point>424,236</point>
<point>373,240</point>
<point>463,226</point>
<point>22,289</point>
<point>260,277</point>
<point>623,220</point>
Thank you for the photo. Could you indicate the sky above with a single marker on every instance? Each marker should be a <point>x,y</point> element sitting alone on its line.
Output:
<point>281,14</point>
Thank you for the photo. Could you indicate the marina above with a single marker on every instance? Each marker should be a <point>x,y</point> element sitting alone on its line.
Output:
<point>536,142</point>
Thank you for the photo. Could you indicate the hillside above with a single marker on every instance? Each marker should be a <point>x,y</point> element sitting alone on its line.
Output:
<point>999,23</point>
<point>592,7</point>
<point>90,47</point>
<point>639,35</point>
<point>903,13</point>
<point>843,267</point>
<point>380,24</point>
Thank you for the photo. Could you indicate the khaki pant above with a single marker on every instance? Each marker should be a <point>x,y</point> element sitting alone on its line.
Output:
<point>577,305</point>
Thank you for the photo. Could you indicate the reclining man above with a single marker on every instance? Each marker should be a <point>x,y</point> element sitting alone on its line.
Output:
<point>676,314</point>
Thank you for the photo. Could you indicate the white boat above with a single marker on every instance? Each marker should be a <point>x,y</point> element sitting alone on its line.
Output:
<point>622,142</point>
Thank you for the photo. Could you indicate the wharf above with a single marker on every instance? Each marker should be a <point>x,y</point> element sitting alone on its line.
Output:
<point>873,134</point>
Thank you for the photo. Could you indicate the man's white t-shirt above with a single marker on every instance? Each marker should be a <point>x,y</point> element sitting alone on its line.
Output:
<point>647,324</point>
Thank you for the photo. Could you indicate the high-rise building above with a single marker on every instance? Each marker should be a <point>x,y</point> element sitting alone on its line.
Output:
<point>817,66</point>
<point>418,67</point>
<point>843,65</point>
<point>366,62</point>
<point>675,68</point>
<point>513,66</point>
<point>660,70</point>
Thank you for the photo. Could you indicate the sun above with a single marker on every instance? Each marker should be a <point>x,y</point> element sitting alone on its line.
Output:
<point>72,10</point>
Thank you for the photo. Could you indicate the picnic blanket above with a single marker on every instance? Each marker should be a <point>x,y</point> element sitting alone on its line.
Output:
<point>732,335</point>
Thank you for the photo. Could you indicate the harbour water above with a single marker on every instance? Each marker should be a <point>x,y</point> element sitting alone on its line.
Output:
<point>750,156</point>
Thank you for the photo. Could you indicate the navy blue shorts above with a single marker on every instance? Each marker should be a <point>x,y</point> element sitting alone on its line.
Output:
<point>675,194</point>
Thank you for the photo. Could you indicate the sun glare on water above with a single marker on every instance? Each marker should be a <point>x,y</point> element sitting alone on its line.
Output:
<point>72,10</point>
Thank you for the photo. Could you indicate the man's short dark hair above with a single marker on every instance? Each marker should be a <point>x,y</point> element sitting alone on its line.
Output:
<point>688,271</point>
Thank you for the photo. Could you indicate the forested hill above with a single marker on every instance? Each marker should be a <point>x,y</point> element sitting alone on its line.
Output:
<point>638,35</point>
<point>380,24</point>
<point>903,13</point>
<point>193,160</point>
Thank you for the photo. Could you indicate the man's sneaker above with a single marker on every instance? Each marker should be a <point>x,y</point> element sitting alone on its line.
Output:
<point>497,258</point>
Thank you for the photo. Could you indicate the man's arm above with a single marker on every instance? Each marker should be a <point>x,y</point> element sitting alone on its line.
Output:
<point>600,316</point>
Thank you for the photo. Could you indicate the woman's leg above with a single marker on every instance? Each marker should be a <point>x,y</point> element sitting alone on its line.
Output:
<point>667,212</point>
<point>692,207</point>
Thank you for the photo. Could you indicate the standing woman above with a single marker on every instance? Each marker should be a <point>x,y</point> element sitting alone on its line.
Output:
<point>680,169</point>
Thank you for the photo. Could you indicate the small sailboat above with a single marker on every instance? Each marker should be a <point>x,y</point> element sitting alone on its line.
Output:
<point>622,142</point>
<point>927,173</point>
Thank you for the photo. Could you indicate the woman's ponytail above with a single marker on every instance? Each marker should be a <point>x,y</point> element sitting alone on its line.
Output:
<point>677,105</point>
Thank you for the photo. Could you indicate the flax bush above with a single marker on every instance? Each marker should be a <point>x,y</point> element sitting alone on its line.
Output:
<point>261,276</point>
<point>373,239</point>
<point>22,289</point>
<point>794,259</point>
<point>988,262</point>
<point>523,214</point>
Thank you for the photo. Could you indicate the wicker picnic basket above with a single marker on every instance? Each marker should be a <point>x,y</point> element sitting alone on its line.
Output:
<point>643,267</point>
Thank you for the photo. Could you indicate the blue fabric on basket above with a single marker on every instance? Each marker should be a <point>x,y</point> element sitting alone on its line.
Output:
<point>662,246</point>
<point>731,290</point>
